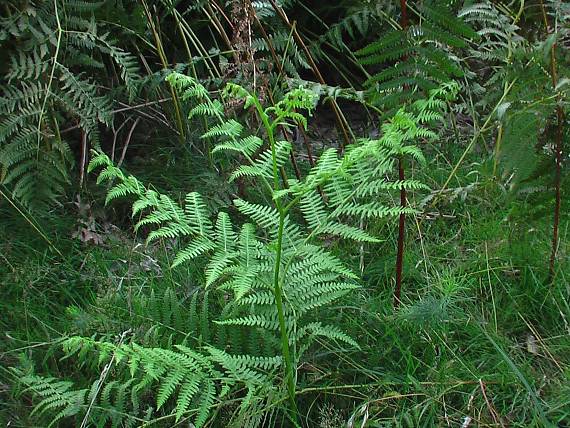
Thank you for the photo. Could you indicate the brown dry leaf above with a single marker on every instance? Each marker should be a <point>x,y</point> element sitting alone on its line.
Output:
<point>531,345</point>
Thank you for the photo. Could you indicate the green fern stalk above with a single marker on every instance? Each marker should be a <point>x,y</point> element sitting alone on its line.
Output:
<point>286,352</point>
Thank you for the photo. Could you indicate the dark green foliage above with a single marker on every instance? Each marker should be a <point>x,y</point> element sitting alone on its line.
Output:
<point>411,61</point>
<point>54,51</point>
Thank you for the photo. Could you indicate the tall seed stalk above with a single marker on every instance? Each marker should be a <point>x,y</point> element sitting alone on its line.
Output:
<point>403,196</point>
<point>558,148</point>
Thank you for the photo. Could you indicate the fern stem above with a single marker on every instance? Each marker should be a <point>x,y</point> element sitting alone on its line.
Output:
<point>285,350</point>
<point>558,152</point>
<point>51,75</point>
<point>402,177</point>
<point>289,369</point>
<point>401,236</point>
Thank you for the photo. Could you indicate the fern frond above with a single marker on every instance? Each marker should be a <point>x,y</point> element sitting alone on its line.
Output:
<point>197,247</point>
<point>265,216</point>
<point>229,129</point>
<point>246,146</point>
<point>56,396</point>
<point>263,166</point>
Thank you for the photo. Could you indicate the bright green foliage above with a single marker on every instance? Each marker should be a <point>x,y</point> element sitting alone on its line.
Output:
<point>198,379</point>
<point>187,381</point>
<point>267,299</point>
<point>241,262</point>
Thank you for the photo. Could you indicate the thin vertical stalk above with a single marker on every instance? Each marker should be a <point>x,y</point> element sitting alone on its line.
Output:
<point>277,291</point>
<point>342,124</point>
<point>402,177</point>
<point>401,235</point>
<point>498,142</point>
<point>289,369</point>
<point>270,95</point>
<point>557,191</point>
<point>51,76</point>
<point>557,149</point>
<point>164,61</point>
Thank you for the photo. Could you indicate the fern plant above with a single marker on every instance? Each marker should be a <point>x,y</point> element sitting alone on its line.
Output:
<point>53,50</point>
<point>280,279</point>
<point>196,380</point>
<point>535,97</point>
<point>414,60</point>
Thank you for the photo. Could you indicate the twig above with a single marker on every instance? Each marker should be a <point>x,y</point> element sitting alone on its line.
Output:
<point>101,379</point>
<point>494,414</point>
<point>83,159</point>
<point>121,110</point>
<point>150,103</point>
<point>51,75</point>
<point>115,134</point>
<point>127,141</point>
<point>403,198</point>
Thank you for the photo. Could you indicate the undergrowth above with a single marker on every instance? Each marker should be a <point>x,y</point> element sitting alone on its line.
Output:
<point>224,256</point>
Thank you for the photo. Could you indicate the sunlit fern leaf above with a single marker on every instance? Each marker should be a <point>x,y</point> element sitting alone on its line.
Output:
<point>313,209</point>
<point>197,213</point>
<point>263,165</point>
<point>214,109</point>
<point>229,129</point>
<point>348,232</point>
<point>216,266</point>
<point>265,322</point>
<point>263,215</point>
<point>246,146</point>
<point>241,266</point>
<point>131,186</point>
<point>197,247</point>
<point>146,199</point>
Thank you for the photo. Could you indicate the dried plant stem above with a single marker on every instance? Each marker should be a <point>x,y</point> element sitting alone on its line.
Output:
<point>402,177</point>
<point>558,149</point>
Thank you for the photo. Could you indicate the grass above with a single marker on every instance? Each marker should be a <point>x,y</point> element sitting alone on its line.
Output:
<point>480,340</point>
